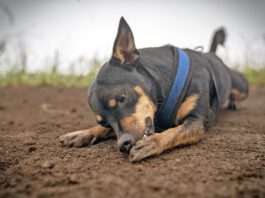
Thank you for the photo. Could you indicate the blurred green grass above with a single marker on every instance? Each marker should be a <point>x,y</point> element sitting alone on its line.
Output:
<point>254,76</point>
<point>53,78</point>
<point>17,74</point>
<point>45,78</point>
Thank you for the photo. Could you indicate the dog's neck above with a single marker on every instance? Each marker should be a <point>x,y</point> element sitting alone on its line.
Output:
<point>158,64</point>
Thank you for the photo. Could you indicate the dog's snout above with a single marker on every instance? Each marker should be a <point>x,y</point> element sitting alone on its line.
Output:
<point>125,143</point>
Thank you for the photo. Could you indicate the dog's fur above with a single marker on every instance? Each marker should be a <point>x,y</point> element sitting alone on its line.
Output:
<point>130,87</point>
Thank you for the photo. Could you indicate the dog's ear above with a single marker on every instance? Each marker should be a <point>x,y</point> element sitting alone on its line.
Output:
<point>124,49</point>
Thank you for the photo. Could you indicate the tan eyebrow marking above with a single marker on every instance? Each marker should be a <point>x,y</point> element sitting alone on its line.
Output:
<point>112,103</point>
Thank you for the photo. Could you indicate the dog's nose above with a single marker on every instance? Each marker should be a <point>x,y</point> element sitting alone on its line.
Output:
<point>125,143</point>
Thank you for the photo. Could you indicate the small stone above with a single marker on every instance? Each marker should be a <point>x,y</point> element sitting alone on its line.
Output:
<point>32,148</point>
<point>49,182</point>
<point>47,164</point>
<point>73,179</point>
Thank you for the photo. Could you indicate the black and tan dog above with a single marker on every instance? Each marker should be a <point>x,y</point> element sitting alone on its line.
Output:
<point>135,84</point>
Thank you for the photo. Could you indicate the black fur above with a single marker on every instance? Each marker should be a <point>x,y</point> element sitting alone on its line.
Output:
<point>154,71</point>
<point>218,39</point>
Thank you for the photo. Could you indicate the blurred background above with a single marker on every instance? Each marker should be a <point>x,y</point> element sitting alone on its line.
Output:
<point>66,41</point>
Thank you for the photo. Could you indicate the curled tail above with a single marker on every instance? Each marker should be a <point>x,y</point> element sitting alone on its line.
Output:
<point>218,39</point>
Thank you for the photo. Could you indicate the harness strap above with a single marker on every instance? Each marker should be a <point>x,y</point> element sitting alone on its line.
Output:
<point>165,116</point>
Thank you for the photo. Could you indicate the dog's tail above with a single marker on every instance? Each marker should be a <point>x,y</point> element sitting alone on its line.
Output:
<point>218,39</point>
<point>240,86</point>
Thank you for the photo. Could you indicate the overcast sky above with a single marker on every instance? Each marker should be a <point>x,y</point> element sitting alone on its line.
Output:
<point>87,28</point>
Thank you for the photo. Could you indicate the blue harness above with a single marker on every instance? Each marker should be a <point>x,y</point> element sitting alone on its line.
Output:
<point>166,114</point>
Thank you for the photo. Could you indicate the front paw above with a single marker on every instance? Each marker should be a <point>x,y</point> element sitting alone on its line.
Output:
<point>146,147</point>
<point>77,139</point>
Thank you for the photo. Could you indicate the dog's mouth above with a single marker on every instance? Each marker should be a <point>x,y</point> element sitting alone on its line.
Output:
<point>149,129</point>
<point>126,141</point>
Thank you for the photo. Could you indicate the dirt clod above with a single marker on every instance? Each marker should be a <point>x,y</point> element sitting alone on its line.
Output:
<point>73,179</point>
<point>32,148</point>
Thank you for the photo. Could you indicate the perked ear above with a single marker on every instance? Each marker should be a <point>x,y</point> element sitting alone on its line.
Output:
<point>124,48</point>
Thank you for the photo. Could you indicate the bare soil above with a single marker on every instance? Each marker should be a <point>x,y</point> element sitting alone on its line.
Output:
<point>228,162</point>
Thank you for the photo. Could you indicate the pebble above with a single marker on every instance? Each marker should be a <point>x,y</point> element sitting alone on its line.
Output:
<point>32,148</point>
<point>47,164</point>
<point>73,179</point>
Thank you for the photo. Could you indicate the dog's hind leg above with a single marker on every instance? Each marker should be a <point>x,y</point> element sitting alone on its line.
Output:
<point>86,137</point>
<point>239,90</point>
<point>190,132</point>
<point>231,104</point>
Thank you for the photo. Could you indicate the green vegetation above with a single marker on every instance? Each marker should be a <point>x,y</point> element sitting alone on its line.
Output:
<point>254,76</point>
<point>45,78</point>
<point>16,72</point>
<point>53,78</point>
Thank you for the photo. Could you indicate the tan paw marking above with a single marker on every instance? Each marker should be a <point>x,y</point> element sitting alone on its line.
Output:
<point>146,147</point>
<point>77,139</point>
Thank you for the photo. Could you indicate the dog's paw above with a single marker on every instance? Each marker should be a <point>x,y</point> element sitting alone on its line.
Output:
<point>146,147</point>
<point>77,139</point>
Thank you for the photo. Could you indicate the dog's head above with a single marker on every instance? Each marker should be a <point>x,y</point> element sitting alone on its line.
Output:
<point>121,95</point>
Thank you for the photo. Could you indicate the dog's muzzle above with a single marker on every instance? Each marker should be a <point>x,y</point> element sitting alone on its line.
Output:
<point>125,143</point>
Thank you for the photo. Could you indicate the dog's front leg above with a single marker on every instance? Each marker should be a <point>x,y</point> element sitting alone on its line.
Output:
<point>85,137</point>
<point>190,132</point>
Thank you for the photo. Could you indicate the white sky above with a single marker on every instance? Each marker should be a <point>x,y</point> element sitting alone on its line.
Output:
<point>87,28</point>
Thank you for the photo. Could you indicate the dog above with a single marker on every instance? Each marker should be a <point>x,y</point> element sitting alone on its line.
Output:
<point>156,99</point>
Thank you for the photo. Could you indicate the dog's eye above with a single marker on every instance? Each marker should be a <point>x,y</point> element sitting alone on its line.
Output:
<point>122,98</point>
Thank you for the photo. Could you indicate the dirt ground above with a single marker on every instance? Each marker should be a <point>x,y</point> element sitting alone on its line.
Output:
<point>228,162</point>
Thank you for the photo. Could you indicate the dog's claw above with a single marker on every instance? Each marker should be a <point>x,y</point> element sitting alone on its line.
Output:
<point>77,139</point>
<point>65,139</point>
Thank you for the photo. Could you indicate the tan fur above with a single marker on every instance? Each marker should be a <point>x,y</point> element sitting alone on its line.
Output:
<point>99,118</point>
<point>96,131</point>
<point>84,137</point>
<point>181,135</point>
<point>119,55</point>
<point>99,131</point>
<point>112,103</point>
<point>188,135</point>
<point>237,95</point>
<point>187,106</point>
<point>144,108</point>
<point>124,47</point>
<point>185,134</point>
